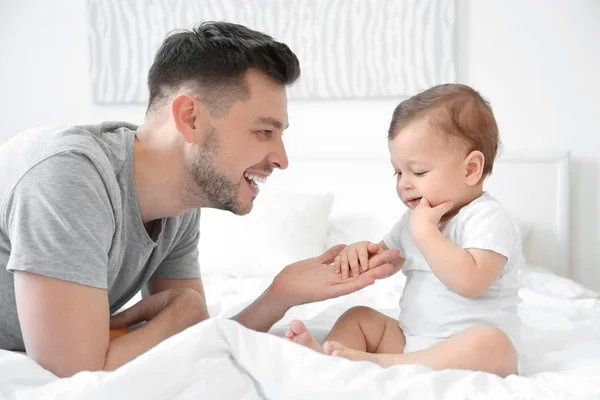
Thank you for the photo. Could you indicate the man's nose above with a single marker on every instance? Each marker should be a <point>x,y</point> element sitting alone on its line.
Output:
<point>278,157</point>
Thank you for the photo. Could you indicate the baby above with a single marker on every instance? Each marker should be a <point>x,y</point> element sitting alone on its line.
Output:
<point>459,248</point>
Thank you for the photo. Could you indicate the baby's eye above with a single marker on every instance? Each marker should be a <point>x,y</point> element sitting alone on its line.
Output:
<point>419,173</point>
<point>398,174</point>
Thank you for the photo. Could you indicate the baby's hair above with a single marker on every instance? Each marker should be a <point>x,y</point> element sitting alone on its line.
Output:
<point>457,110</point>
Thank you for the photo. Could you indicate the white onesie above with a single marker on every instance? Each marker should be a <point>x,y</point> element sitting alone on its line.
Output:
<point>430,312</point>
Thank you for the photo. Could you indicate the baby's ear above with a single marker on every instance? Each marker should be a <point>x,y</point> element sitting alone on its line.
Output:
<point>474,163</point>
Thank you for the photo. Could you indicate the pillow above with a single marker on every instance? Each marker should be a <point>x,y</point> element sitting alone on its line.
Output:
<point>284,227</point>
<point>350,228</point>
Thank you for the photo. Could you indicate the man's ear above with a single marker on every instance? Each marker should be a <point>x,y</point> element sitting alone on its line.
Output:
<point>189,116</point>
<point>474,163</point>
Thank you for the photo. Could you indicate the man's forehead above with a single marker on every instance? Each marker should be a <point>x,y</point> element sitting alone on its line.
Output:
<point>267,103</point>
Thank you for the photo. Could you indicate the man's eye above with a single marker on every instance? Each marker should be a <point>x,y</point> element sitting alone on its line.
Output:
<point>265,132</point>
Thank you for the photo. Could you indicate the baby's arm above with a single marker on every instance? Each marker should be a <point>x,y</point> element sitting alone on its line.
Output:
<point>470,267</point>
<point>467,272</point>
<point>397,262</point>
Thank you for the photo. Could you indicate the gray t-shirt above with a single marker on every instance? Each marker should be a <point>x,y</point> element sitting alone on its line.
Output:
<point>68,210</point>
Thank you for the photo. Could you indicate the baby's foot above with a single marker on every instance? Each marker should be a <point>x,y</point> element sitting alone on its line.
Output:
<point>298,333</point>
<point>339,350</point>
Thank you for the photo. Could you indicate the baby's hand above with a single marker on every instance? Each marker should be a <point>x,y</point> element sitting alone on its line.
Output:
<point>424,216</point>
<point>356,258</point>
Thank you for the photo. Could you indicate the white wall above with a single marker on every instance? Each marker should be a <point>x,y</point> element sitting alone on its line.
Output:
<point>44,67</point>
<point>538,61</point>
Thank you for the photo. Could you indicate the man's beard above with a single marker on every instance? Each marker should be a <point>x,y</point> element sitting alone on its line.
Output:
<point>209,184</point>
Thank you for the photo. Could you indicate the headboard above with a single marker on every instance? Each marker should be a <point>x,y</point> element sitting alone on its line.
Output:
<point>535,188</point>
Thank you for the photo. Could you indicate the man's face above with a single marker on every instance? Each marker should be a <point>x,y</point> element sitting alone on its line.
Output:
<point>242,147</point>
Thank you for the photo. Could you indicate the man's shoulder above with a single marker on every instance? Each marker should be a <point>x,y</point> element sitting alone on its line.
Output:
<point>44,141</point>
<point>66,149</point>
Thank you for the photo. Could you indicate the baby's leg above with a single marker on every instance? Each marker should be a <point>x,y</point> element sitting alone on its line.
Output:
<point>365,329</point>
<point>360,327</point>
<point>482,348</point>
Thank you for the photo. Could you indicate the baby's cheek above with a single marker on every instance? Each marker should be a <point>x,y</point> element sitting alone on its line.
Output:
<point>398,191</point>
<point>438,194</point>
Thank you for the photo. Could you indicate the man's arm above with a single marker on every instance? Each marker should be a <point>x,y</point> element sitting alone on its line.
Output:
<point>310,281</point>
<point>260,315</point>
<point>299,283</point>
<point>61,224</point>
<point>65,325</point>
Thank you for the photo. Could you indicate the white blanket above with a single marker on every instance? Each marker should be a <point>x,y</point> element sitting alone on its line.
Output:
<point>219,359</point>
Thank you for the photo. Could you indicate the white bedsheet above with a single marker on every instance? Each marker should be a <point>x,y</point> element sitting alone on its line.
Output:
<point>219,359</point>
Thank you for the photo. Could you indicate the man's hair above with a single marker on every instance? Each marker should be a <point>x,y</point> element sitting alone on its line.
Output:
<point>459,112</point>
<point>211,61</point>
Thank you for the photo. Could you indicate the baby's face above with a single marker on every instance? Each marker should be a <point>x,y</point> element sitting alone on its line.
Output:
<point>427,165</point>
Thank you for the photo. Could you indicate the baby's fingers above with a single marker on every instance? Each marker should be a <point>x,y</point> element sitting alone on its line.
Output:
<point>373,248</point>
<point>344,264</point>
<point>337,264</point>
<point>353,260</point>
<point>444,208</point>
<point>363,256</point>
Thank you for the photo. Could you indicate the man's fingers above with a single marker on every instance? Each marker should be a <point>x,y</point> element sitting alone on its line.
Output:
<point>383,271</point>
<point>383,258</point>
<point>331,254</point>
<point>352,285</point>
<point>424,202</point>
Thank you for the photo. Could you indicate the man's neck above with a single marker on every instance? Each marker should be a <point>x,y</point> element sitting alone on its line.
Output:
<point>158,179</point>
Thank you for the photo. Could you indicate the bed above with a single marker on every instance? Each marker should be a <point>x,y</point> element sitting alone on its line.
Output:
<point>320,201</point>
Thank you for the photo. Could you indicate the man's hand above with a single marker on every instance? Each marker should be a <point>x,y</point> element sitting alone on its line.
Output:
<point>356,258</point>
<point>150,307</point>
<point>315,279</point>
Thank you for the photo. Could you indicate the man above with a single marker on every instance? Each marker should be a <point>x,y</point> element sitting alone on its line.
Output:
<point>90,215</point>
